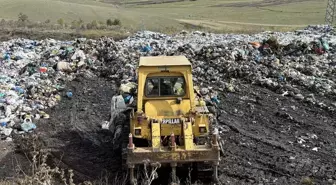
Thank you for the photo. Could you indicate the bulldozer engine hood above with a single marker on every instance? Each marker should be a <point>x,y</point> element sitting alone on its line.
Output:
<point>168,111</point>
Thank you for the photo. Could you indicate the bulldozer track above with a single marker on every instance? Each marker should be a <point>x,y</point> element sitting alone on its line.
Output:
<point>125,133</point>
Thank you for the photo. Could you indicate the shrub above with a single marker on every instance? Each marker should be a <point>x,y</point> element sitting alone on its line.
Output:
<point>23,17</point>
<point>116,22</point>
<point>74,24</point>
<point>60,22</point>
<point>11,22</point>
<point>102,27</point>
<point>77,24</point>
<point>80,22</point>
<point>83,26</point>
<point>94,24</point>
<point>89,25</point>
<point>109,22</point>
<point>3,22</point>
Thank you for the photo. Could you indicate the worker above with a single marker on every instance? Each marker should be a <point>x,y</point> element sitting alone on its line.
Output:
<point>179,89</point>
<point>154,91</point>
<point>165,89</point>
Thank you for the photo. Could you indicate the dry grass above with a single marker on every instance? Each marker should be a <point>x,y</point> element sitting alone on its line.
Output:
<point>300,13</point>
<point>43,172</point>
<point>233,27</point>
<point>34,30</point>
<point>95,34</point>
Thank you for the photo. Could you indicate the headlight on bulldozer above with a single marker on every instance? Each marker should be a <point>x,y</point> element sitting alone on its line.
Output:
<point>137,131</point>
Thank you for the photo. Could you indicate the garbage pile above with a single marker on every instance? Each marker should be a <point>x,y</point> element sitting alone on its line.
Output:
<point>33,74</point>
<point>299,64</point>
<point>32,78</point>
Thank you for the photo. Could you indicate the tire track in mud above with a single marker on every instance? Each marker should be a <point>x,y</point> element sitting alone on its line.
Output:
<point>264,150</point>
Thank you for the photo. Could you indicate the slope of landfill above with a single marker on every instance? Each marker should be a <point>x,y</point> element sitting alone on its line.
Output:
<point>276,111</point>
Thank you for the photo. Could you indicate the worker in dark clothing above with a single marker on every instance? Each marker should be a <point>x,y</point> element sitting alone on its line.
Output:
<point>164,88</point>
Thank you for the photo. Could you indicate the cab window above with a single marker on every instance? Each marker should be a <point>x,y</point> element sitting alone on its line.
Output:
<point>165,86</point>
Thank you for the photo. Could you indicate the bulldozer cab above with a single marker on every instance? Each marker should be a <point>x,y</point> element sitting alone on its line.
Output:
<point>164,78</point>
<point>165,92</point>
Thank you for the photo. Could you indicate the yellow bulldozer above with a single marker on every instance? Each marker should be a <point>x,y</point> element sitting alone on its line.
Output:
<point>170,124</point>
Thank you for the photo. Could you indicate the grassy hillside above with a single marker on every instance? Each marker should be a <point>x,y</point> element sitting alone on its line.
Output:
<point>306,12</point>
<point>51,9</point>
<point>220,15</point>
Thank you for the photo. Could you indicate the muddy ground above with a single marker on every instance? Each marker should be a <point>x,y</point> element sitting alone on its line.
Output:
<point>269,138</point>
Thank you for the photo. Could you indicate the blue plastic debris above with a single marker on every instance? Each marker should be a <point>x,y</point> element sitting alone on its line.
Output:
<point>3,124</point>
<point>127,98</point>
<point>215,99</point>
<point>6,56</point>
<point>257,58</point>
<point>18,58</point>
<point>325,44</point>
<point>146,48</point>
<point>281,78</point>
<point>19,90</point>
<point>69,94</point>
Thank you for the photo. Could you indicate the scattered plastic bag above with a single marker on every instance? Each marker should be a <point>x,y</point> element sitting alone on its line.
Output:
<point>126,88</point>
<point>63,66</point>
<point>6,131</point>
<point>28,126</point>
<point>78,54</point>
<point>69,94</point>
